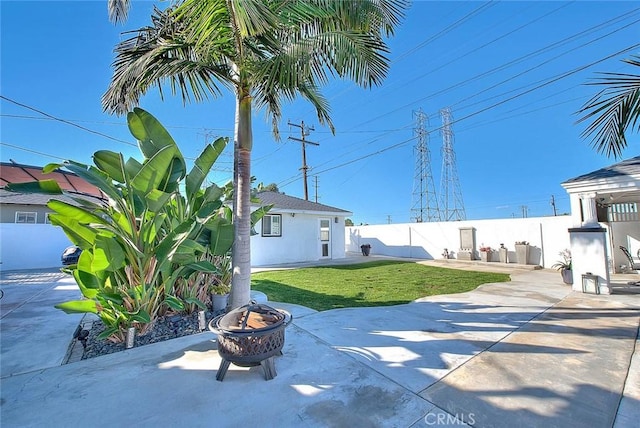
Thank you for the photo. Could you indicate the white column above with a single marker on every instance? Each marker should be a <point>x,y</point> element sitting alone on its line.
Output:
<point>589,210</point>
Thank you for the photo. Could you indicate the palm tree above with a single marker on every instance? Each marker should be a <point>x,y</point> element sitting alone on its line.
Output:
<point>613,110</point>
<point>263,51</point>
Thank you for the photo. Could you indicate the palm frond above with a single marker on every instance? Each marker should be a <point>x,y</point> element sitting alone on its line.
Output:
<point>161,53</point>
<point>118,10</point>
<point>613,111</point>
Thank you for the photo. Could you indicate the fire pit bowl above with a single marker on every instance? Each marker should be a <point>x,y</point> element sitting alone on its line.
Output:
<point>250,336</point>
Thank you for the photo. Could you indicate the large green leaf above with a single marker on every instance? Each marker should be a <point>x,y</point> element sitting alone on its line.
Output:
<point>81,215</point>
<point>94,176</point>
<point>152,136</point>
<point>81,235</point>
<point>151,175</point>
<point>186,252</point>
<point>49,187</point>
<point>111,163</point>
<point>107,255</point>
<point>78,307</point>
<point>157,199</point>
<point>222,236</point>
<point>149,229</point>
<point>202,166</point>
<point>89,284</point>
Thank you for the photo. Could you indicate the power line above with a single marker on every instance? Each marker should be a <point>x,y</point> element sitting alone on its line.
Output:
<point>66,121</point>
<point>31,151</point>
<point>545,83</point>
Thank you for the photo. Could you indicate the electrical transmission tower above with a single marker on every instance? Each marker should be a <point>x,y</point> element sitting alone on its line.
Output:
<point>451,205</point>
<point>425,201</point>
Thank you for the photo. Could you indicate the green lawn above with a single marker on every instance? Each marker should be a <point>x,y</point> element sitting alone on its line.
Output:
<point>380,283</point>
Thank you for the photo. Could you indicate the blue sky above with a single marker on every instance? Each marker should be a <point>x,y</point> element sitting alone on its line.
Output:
<point>513,74</point>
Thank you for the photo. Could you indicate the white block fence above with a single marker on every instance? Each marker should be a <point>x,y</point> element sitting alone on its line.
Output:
<point>547,237</point>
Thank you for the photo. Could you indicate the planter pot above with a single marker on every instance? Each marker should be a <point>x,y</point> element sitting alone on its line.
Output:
<point>485,256</point>
<point>219,302</point>
<point>567,276</point>
<point>522,254</point>
<point>503,255</point>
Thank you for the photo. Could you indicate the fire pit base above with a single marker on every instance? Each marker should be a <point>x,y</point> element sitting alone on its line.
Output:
<point>268,367</point>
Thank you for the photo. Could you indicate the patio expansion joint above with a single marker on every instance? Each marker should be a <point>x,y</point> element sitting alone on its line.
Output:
<point>496,343</point>
<point>365,366</point>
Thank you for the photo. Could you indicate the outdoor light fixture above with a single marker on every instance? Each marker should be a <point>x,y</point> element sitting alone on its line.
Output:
<point>590,283</point>
<point>293,214</point>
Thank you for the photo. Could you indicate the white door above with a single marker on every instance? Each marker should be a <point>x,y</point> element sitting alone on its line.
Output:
<point>325,238</point>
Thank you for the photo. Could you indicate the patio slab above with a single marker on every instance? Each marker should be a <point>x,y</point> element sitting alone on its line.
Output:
<point>529,352</point>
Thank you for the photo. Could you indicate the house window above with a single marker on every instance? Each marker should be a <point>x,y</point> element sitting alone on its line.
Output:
<point>26,217</point>
<point>272,225</point>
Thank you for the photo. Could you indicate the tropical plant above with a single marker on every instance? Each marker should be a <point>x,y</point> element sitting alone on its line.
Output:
<point>565,263</point>
<point>263,51</point>
<point>485,249</point>
<point>613,110</point>
<point>148,236</point>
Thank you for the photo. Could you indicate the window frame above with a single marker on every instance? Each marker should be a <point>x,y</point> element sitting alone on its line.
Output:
<point>27,214</point>
<point>271,234</point>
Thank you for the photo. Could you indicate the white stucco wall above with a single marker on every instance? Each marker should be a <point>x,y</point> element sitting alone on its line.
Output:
<point>31,246</point>
<point>300,240</point>
<point>548,236</point>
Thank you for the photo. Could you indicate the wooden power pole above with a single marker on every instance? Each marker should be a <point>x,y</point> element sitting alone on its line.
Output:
<point>304,131</point>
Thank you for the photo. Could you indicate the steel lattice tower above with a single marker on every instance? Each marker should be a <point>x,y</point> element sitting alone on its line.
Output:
<point>425,201</point>
<point>451,204</point>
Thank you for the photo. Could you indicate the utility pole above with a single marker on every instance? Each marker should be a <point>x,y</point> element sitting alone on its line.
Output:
<point>304,131</point>
<point>388,219</point>
<point>553,204</point>
<point>525,210</point>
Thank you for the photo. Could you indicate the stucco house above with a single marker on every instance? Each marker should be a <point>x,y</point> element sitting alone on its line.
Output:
<point>296,230</point>
<point>605,215</point>
<point>28,240</point>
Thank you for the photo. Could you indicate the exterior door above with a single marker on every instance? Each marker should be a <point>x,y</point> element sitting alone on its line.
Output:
<point>325,238</point>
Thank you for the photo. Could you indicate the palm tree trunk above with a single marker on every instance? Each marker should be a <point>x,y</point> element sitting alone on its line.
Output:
<point>241,288</point>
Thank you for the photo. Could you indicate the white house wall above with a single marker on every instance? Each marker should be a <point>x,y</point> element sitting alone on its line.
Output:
<point>300,240</point>
<point>548,236</point>
<point>31,246</point>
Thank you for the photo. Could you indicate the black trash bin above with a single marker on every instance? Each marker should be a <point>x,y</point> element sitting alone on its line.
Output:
<point>366,248</point>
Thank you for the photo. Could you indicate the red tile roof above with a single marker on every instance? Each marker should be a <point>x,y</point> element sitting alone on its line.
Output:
<point>16,173</point>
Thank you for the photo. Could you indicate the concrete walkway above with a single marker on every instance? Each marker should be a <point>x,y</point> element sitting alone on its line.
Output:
<point>530,352</point>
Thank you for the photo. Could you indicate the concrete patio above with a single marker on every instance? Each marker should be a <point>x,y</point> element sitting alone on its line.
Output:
<point>529,352</point>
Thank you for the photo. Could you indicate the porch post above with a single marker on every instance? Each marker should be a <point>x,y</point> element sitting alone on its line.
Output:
<point>590,255</point>
<point>589,212</point>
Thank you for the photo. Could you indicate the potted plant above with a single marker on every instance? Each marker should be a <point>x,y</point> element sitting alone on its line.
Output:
<point>503,252</point>
<point>564,266</point>
<point>522,252</point>
<point>366,248</point>
<point>220,282</point>
<point>485,253</point>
